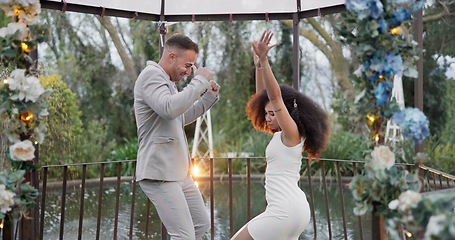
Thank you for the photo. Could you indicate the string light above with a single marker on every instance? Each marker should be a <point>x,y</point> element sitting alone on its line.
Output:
<point>396,31</point>
<point>26,117</point>
<point>17,12</point>
<point>408,234</point>
<point>25,47</point>
<point>371,118</point>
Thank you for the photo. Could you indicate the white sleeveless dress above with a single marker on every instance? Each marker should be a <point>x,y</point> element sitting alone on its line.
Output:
<point>288,213</point>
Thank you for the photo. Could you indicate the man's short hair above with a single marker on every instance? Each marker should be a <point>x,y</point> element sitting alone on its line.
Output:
<point>181,42</point>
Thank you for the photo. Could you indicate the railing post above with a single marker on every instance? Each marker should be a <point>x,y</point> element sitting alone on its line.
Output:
<point>377,224</point>
<point>7,230</point>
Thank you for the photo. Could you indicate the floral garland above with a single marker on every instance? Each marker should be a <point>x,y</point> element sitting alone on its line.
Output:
<point>23,104</point>
<point>374,29</point>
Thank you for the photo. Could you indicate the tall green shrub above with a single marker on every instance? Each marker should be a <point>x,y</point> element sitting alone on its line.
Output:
<point>63,123</point>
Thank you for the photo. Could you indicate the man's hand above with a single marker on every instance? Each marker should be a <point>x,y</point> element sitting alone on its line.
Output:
<point>203,72</point>
<point>215,88</point>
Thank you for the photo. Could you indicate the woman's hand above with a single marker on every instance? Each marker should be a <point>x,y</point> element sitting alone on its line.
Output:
<point>261,48</point>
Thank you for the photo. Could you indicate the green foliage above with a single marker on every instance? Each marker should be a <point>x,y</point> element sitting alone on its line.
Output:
<point>283,64</point>
<point>446,134</point>
<point>342,145</point>
<point>68,140</point>
<point>346,145</point>
<point>439,35</point>
<point>429,219</point>
<point>25,195</point>
<point>4,20</point>
<point>438,102</point>
<point>63,123</point>
<point>251,143</point>
<point>441,155</point>
<point>381,182</point>
<point>236,78</point>
<point>95,145</point>
<point>145,36</point>
<point>105,94</point>
<point>127,151</point>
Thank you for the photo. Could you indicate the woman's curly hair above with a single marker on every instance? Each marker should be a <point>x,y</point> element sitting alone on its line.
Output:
<point>312,121</point>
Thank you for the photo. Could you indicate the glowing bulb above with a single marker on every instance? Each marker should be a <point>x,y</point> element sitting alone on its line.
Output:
<point>1,224</point>
<point>195,171</point>
<point>25,47</point>
<point>371,118</point>
<point>16,12</point>
<point>408,234</point>
<point>376,138</point>
<point>396,31</point>
<point>26,117</point>
<point>381,76</point>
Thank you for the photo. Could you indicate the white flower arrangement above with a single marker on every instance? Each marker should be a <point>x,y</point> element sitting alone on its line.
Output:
<point>25,88</point>
<point>6,199</point>
<point>23,105</point>
<point>381,182</point>
<point>424,216</point>
<point>25,10</point>
<point>13,28</point>
<point>406,201</point>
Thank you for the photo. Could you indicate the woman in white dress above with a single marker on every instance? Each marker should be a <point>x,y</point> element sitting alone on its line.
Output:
<point>297,124</point>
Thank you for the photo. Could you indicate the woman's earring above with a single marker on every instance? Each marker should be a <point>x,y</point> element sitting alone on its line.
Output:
<point>295,104</point>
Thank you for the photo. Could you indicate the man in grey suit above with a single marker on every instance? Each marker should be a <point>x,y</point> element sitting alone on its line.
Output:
<point>163,160</point>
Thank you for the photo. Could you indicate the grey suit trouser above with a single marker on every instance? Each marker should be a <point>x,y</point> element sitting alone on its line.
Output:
<point>180,207</point>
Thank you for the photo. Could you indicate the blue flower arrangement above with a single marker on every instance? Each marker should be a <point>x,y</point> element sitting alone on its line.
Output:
<point>373,28</point>
<point>413,124</point>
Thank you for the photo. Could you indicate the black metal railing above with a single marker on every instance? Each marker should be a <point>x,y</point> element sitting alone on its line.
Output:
<point>71,182</point>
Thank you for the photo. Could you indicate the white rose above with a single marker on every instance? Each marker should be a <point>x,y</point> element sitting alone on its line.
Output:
<point>382,157</point>
<point>394,204</point>
<point>6,199</point>
<point>409,199</point>
<point>18,26</point>
<point>22,151</point>
<point>16,79</point>
<point>29,88</point>
<point>34,89</point>
<point>14,27</point>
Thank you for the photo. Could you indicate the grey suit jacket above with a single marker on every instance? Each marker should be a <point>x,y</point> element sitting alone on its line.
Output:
<point>161,113</point>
